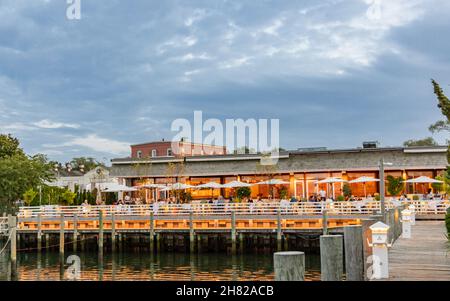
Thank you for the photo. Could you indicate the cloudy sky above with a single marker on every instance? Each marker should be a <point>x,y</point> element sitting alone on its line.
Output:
<point>335,72</point>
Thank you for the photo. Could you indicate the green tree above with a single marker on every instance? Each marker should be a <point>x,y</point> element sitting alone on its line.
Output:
<point>29,196</point>
<point>442,125</point>
<point>394,185</point>
<point>243,192</point>
<point>347,190</point>
<point>421,142</point>
<point>19,172</point>
<point>85,163</point>
<point>68,197</point>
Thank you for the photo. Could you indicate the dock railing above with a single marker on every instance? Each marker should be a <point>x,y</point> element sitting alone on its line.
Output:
<point>3,226</point>
<point>247,209</point>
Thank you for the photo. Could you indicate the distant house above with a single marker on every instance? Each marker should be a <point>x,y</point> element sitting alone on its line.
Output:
<point>73,178</point>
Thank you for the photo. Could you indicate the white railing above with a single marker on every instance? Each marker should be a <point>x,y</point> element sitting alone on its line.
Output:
<point>285,208</point>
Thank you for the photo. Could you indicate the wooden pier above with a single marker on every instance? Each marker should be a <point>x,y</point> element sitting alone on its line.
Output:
<point>424,257</point>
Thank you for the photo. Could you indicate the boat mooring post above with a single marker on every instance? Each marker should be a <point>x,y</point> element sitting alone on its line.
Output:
<point>233,232</point>
<point>354,254</point>
<point>191,232</point>
<point>61,235</point>
<point>331,257</point>
<point>289,266</point>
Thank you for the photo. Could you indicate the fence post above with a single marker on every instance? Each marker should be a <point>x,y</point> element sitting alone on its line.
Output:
<point>39,233</point>
<point>289,266</point>
<point>233,232</point>
<point>152,232</point>
<point>325,222</point>
<point>331,257</point>
<point>279,234</point>
<point>61,235</point>
<point>353,245</point>
<point>75,232</point>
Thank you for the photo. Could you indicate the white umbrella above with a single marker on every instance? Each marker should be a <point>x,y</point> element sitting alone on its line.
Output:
<point>154,186</point>
<point>364,180</point>
<point>210,185</point>
<point>272,182</point>
<point>177,186</point>
<point>423,180</point>
<point>116,188</point>
<point>236,184</point>
<point>331,181</point>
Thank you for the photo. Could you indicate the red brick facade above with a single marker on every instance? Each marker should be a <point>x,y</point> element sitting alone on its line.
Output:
<point>177,149</point>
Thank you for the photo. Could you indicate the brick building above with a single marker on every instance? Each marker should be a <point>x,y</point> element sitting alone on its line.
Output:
<point>174,149</point>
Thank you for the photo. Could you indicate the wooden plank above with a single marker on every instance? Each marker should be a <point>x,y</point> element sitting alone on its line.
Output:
<point>424,257</point>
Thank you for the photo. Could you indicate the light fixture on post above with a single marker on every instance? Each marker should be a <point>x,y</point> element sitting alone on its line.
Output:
<point>381,166</point>
<point>379,245</point>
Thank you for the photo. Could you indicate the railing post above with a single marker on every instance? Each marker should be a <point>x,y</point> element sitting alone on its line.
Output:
<point>113,231</point>
<point>191,232</point>
<point>61,235</point>
<point>75,231</point>
<point>279,234</point>
<point>12,225</point>
<point>152,232</point>
<point>233,232</point>
<point>39,233</point>
<point>100,230</point>
<point>325,222</point>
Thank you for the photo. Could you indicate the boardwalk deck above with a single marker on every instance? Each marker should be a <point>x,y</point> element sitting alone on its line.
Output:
<point>424,257</point>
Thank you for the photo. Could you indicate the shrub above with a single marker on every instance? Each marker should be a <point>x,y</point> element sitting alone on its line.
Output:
<point>340,198</point>
<point>283,192</point>
<point>347,190</point>
<point>29,196</point>
<point>243,192</point>
<point>394,185</point>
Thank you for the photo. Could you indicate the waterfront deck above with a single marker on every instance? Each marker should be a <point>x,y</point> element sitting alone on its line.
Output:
<point>424,257</point>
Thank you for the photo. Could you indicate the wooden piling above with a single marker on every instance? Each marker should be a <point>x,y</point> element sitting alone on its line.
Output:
<point>233,232</point>
<point>191,233</point>
<point>289,266</point>
<point>39,233</point>
<point>47,242</point>
<point>325,222</point>
<point>241,243</point>
<point>354,257</point>
<point>158,243</point>
<point>152,232</point>
<point>75,232</point>
<point>12,225</point>
<point>331,257</point>
<point>61,234</point>
<point>100,230</point>
<point>113,232</point>
<point>279,233</point>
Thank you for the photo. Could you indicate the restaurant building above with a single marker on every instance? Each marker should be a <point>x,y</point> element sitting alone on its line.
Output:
<point>300,168</point>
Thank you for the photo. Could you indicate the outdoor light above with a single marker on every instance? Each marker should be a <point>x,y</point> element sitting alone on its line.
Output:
<point>406,223</point>
<point>412,208</point>
<point>380,247</point>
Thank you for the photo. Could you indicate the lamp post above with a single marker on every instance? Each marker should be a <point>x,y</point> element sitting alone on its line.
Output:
<point>382,189</point>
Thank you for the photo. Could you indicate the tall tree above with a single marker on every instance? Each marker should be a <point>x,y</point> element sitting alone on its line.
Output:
<point>444,105</point>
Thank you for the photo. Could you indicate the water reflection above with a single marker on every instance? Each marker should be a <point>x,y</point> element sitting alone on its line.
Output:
<point>144,266</point>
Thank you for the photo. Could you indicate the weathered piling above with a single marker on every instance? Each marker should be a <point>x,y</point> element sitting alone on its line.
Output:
<point>47,241</point>
<point>100,231</point>
<point>12,225</point>
<point>75,232</point>
<point>353,245</point>
<point>61,235</point>
<point>289,266</point>
<point>152,232</point>
<point>325,222</point>
<point>191,233</point>
<point>241,243</point>
<point>233,232</point>
<point>331,257</point>
<point>279,233</point>
<point>39,233</point>
<point>158,243</point>
<point>113,232</point>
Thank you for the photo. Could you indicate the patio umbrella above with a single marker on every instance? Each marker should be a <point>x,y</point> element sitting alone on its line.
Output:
<point>364,180</point>
<point>177,186</point>
<point>422,180</point>
<point>331,181</point>
<point>236,184</point>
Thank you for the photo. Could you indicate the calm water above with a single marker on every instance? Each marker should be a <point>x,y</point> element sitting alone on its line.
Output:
<point>142,266</point>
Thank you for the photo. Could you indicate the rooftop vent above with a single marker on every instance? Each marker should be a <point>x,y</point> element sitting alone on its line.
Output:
<point>370,144</point>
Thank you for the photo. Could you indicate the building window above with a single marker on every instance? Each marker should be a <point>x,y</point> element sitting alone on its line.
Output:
<point>154,153</point>
<point>139,154</point>
<point>169,152</point>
